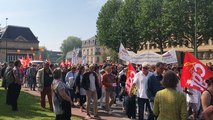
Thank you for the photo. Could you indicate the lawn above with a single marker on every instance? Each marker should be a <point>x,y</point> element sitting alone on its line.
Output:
<point>28,106</point>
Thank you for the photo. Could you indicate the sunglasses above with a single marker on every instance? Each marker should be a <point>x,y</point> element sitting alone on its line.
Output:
<point>145,68</point>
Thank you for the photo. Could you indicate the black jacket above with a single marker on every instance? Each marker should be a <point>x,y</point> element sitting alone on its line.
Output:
<point>86,81</point>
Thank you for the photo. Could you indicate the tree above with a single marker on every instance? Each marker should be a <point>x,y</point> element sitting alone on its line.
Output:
<point>69,44</point>
<point>125,28</point>
<point>104,23</point>
<point>154,24</point>
<point>189,20</point>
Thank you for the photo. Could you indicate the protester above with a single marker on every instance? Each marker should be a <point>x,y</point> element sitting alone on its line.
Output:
<point>193,102</point>
<point>9,78</point>
<point>109,84</point>
<point>70,81</point>
<point>207,100</point>
<point>90,84</point>
<point>153,83</point>
<point>79,88</point>
<point>140,80</point>
<point>44,79</point>
<point>170,104</point>
<point>103,94</point>
<point>4,66</point>
<point>31,73</point>
<point>15,86</point>
<point>61,99</point>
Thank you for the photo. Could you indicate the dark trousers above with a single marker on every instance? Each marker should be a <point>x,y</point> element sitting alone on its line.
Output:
<point>8,95</point>
<point>62,117</point>
<point>82,99</point>
<point>72,94</point>
<point>14,94</point>
<point>130,104</point>
<point>141,103</point>
<point>46,91</point>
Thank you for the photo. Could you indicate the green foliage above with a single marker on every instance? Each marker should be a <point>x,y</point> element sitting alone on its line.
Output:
<point>69,44</point>
<point>104,23</point>
<point>125,28</point>
<point>160,22</point>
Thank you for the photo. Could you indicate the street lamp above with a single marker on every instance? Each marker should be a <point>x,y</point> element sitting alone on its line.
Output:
<point>195,36</point>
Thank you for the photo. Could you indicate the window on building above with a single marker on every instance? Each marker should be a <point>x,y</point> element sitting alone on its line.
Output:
<point>87,51</point>
<point>155,46</point>
<point>91,51</point>
<point>145,46</point>
<point>98,60</point>
<point>150,46</point>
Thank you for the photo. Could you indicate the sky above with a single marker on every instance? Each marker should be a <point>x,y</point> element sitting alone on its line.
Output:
<point>52,21</point>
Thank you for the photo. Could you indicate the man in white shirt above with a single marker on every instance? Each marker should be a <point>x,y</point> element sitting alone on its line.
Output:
<point>193,101</point>
<point>140,79</point>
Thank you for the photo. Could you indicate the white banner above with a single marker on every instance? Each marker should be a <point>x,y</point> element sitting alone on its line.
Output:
<point>169,57</point>
<point>150,57</point>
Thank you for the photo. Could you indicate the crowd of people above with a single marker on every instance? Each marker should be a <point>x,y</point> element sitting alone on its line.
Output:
<point>158,96</point>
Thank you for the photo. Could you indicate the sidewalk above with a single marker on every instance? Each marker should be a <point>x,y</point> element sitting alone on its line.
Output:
<point>117,113</point>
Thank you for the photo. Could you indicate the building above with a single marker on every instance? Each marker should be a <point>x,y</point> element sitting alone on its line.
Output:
<point>93,51</point>
<point>205,51</point>
<point>54,56</point>
<point>17,42</point>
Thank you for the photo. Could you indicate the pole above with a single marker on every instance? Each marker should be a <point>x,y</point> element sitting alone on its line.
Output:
<point>6,52</point>
<point>195,36</point>
<point>6,41</point>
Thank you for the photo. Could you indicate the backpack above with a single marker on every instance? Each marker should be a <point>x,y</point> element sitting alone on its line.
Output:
<point>10,78</point>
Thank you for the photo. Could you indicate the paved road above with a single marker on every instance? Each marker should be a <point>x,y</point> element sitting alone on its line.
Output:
<point>117,113</point>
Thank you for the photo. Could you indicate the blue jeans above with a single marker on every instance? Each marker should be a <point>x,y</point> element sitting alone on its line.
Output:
<point>141,103</point>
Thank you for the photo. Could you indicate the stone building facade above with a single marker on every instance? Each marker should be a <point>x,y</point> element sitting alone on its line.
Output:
<point>93,51</point>
<point>16,42</point>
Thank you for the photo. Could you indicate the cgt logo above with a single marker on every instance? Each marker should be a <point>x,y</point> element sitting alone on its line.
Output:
<point>197,72</point>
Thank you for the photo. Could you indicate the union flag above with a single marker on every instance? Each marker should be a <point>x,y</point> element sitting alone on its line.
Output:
<point>129,77</point>
<point>194,73</point>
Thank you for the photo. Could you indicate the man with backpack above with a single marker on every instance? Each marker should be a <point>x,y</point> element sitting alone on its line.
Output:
<point>9,78</point>
<point>14,82</point>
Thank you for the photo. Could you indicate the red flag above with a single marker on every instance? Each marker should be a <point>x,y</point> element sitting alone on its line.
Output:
<point>62,64</point>
<point>28,59</point>
<point>66,62</point>
<point>40,57</point>
<point>48,59</point>
<point>130,77</point>
<point>194,73</point>
<point>101,63</point>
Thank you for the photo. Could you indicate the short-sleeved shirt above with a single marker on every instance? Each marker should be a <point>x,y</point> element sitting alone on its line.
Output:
<point>58,85</point>
<point>195,97</point>
<point>141,80</point>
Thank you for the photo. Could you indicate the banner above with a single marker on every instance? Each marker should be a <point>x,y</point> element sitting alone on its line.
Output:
<point>194,73</point>
<point>169,57</point>
<point>150,57</point>
<point>129,77</point>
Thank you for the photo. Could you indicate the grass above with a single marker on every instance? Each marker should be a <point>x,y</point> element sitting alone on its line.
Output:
<point>29,108</point>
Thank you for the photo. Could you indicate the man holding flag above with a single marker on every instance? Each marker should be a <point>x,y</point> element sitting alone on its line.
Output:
<point>140,79</point>
<point>193,75</point>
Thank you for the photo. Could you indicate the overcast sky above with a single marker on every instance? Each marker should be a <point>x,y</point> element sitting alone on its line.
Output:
<point>52,21</point>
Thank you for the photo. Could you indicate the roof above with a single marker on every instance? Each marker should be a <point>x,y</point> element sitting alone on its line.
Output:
<point>15,32</point>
